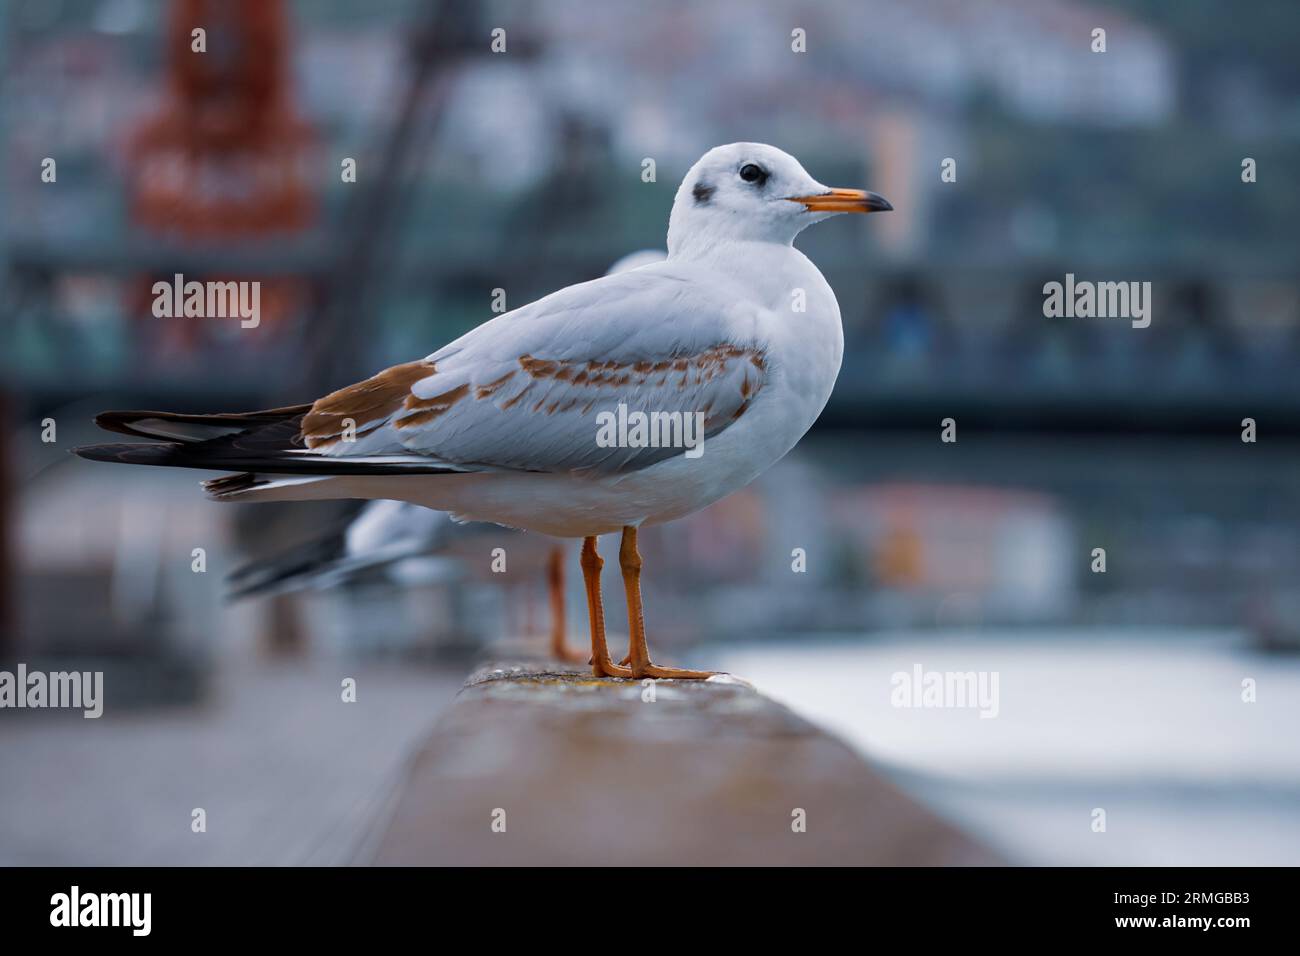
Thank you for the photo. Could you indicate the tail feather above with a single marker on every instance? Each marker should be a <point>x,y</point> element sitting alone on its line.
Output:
<point>228,485</point>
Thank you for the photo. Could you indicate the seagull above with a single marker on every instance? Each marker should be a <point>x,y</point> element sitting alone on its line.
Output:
<point>377,539</point>
<point>735,329</point>
<point>390,540</point>
<point>384,540</point>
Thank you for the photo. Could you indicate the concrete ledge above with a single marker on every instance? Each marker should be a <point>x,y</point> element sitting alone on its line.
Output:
<point>585,771</point>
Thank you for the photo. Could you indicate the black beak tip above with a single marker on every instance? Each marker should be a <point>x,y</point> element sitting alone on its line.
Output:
<point>878,203</point>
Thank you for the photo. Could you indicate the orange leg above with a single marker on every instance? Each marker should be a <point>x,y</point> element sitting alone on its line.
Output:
<point>638,654</point>
<point>560,648</point>
<point>592,562</point>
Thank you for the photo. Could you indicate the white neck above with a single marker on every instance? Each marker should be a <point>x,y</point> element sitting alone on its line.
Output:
<point>693,230</point>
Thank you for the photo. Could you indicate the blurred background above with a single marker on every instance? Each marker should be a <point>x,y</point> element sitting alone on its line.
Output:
<point>523,171</point>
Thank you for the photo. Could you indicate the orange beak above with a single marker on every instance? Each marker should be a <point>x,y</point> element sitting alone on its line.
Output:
<point>844,200</point>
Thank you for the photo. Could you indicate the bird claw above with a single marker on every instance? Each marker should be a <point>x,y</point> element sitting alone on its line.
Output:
<point>645,669</point>
<point>608,668</point>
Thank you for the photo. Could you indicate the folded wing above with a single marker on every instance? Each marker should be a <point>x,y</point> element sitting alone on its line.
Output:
<point>527,390</point>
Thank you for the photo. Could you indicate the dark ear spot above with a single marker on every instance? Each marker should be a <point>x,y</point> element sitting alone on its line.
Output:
<point>703,192</point>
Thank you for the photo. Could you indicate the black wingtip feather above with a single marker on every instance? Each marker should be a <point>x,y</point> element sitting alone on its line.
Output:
<point>131,454</point>
<point>265,442</point>
<point>183,427</point>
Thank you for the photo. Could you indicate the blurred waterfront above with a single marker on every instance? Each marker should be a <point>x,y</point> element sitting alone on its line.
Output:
<point>523,172</point>
<point>1147,724</point>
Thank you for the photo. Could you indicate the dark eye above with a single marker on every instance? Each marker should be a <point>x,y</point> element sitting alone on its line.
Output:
<point>753,174</point>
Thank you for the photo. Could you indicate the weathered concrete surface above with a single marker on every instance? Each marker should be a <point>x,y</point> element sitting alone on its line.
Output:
<point>585,771</point>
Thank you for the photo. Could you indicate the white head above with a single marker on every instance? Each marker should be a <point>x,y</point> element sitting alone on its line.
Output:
<point>754,192</point>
